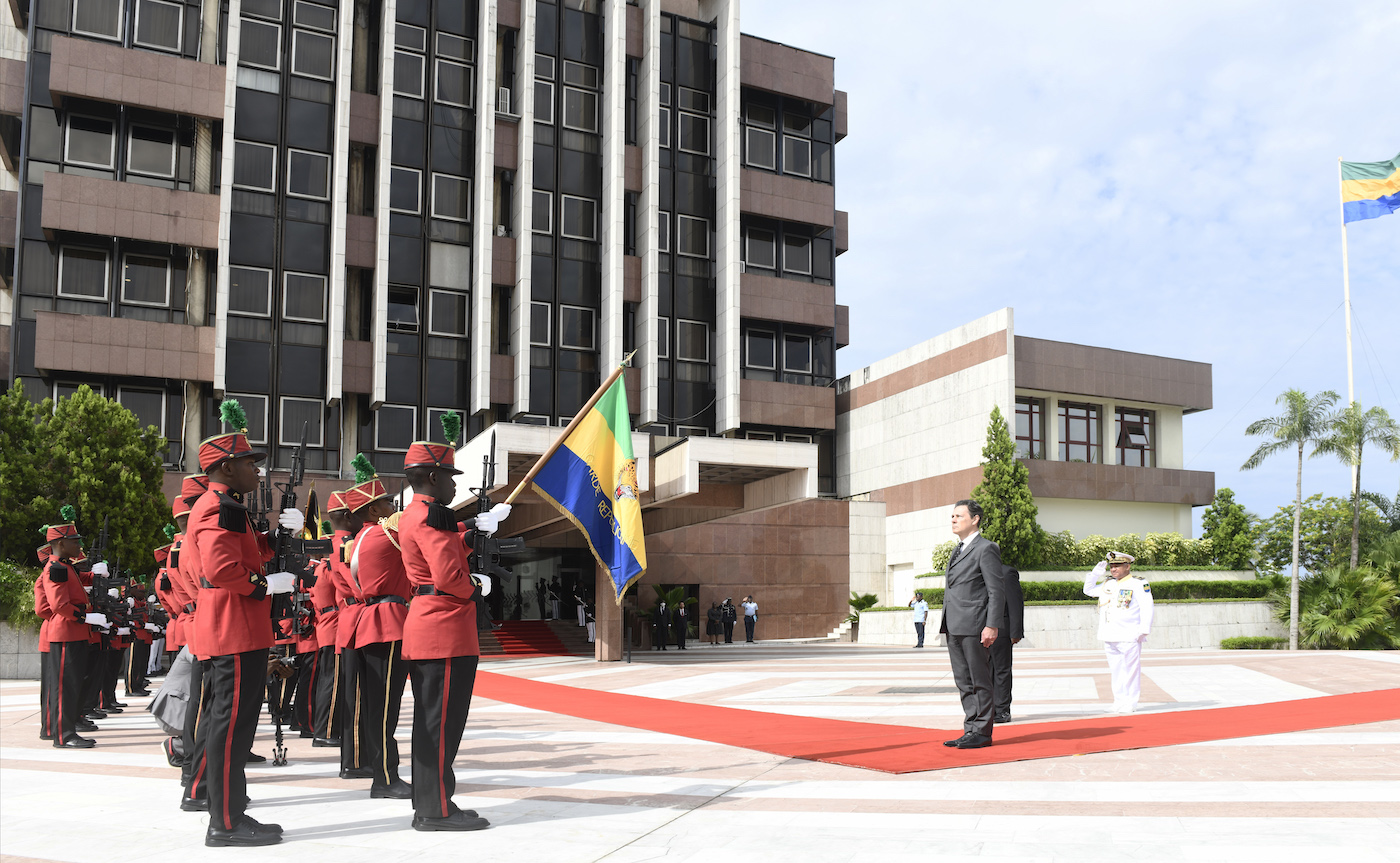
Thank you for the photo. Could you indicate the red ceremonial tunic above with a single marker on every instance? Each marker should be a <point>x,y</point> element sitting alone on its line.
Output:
<point>235,614</point>
<point>174,608</point>
<point>377,567</point>
<point>68,602</point>
<point>347,596</point>
<point>139,619</point>
<point>44,611</point>
<point>184,571</point>
<point>323,597</point>
<point>442,626</point>
<point>85,575</point>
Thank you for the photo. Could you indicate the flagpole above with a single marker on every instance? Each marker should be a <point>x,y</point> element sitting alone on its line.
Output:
<point>1346,284</point>
<point>573,423</point>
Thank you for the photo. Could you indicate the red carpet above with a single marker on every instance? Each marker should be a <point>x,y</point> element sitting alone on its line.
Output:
<point>529,638</point>
<point>901,749</point>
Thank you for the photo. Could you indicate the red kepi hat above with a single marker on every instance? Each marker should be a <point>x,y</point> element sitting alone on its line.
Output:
<point>219,448</point>
<point>336,502</point>
<point>435,455</point>
<point>368,487</point>
<point>66,529</point>
<point>191,488</point>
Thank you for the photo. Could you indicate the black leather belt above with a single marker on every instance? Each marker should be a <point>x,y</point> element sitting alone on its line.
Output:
<point>327,610</point>
<point>428,590</point>
<point>350,600</point>
<point>388,597</point>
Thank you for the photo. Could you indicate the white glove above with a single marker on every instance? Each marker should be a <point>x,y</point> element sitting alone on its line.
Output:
<point>87,588</point>
<point>488,522</point>
<point>99,568</point>
<point>281,582</point>
<point>123,630</point>
<point>1101,567</point>
<point>113,592</point>
<point>485,583</point>
<point>500,511</point>
<point>151,600</point>
<point>131,602</point>
<point>292,520</point>
<point>151,627</point>
<point>96,619</point>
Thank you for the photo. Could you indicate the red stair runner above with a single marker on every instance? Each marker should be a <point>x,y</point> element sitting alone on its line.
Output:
<point>529,638</point>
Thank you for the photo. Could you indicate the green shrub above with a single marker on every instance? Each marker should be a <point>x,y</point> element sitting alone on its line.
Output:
<point>1341,608</point>
<point>17,595</point>
<point>1062,551</point>
<point>1252,642</point>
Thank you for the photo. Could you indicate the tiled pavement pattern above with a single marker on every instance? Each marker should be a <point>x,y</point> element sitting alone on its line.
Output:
<point>563,789</point>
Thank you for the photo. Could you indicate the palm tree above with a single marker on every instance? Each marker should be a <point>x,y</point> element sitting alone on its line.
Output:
<point>1390,509</point>
<point>1303,421</point>
<point>1349,609</point>
<point>1351,429</point>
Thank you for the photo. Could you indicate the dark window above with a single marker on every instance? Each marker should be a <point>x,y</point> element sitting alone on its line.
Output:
<point>542,212</point>
<point>1135,434</point>
<point>82,273</point>
<point>451,198</point>
<point>147,405</point>
<point>580,110</point>
<point>313,54</point>
<point>146,280</point>
<point>454,84</point>
<point>1079,433</point>
<point>304,297</point>
<point>447,313</point>
<point>1030,427</point>
<point>249,291</point>
<point>255,407</point>
<point>797,254</point>
<point>693,134</point>
<point>299,414</point>
<point>692,341</point>
<point>760,347</point>
<point>308,174</point>
<point>797,354</point>
<point>456,47</point>
<point>544,102</point>
<point>760,249</point>
<point>254,165</point>
<point>263,8</point>
<point>159,24</point>
<point>90,141</point>
<point>395,427</point>
<point>405,190</point>
<point>578,218</point>
<point>315,15</point>
<point>151,151</point>
<point>408,74</point>
<point>101,18</point>
<point>260,44</point>
<point>403,308</point>
<point>692,236</point>
<point>576,328</point>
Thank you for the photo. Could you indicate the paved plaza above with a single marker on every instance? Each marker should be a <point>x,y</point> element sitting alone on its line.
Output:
<point>562,789</point>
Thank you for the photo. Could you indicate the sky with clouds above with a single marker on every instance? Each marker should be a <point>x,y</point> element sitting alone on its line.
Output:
<point>1149,176</point>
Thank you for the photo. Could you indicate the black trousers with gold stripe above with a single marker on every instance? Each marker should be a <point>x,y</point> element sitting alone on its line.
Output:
<point>326,712</point>
<point>383,674</point>
<point>354,723</point>
<point>442,693</point>
<point>235,686</point>
<point>138,657</point>
<point>194,774</point>
<point>67,669</point>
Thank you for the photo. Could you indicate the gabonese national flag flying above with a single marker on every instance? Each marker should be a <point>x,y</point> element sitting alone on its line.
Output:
<point>592,480</point>
<point>1370,189</point>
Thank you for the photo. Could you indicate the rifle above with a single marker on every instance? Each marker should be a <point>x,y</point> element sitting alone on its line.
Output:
<point>487,551</point>
<point>295,606</point>
<point>99,548</point>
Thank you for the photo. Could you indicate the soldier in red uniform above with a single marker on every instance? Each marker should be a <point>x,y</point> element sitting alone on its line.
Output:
<point>354,763</point>
<point>44,612</point>
<point>376,568</point>
<point>233,626</point>
<point>327,709</point>
<point>183,567</point>
<point>439,633</point>
<point>70,624</point>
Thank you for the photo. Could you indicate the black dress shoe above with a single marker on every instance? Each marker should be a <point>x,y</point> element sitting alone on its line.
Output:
<point>170,757</point>
<point>85,725</point>
<point>116,704</point>
<point>396,790</point>
<point>326,741</point>
<point>243,835</point>
<point>95,714</point>
<point>305,734</point>
<point>465,820</point>
<point>356,773</point>
<point>261,827</point>
<point>194,804</point>
<point>958,741</point>
<point>255,758</point>
<point>975,741</point>
<point>76,742</point>
<point>140,693</point>
<point>1002,718</point>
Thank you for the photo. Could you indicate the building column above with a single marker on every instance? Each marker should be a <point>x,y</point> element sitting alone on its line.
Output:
<point>607,619</point>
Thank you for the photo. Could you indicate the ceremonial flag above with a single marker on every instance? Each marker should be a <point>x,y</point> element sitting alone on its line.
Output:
<point>1370,189</point>
<point>590,476</point>
<point>312,530</point>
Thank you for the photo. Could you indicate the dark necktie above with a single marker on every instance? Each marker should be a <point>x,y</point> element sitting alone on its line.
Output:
<point>957,551</point>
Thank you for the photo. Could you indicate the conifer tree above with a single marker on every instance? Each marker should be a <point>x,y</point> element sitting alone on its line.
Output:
<point>1009,517</point>
<point>1230,530</point>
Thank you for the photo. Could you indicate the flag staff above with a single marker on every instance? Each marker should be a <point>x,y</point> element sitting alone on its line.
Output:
<point>1346,281</point>
<point>573,423</point>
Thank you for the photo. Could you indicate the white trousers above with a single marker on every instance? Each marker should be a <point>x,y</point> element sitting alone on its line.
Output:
<point>580,616</point>
<point>591,631</point>
<point>154,666</point>
<point>1125,667</point>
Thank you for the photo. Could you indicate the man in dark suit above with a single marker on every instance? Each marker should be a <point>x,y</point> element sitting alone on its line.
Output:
<point>974,603</point>
<point>1011,631</point>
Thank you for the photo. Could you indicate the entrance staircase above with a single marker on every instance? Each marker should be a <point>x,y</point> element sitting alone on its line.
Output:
<point>520,638</point>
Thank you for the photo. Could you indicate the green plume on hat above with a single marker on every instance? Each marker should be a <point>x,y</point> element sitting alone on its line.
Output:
<point>364,470</point>
<point>170,531</point>
<point>68,513</point>
<point>233,415</point>
<point>451,427</point>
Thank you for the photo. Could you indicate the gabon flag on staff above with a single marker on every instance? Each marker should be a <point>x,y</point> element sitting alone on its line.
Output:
<point>1370,189</point>
<point>591,478</point>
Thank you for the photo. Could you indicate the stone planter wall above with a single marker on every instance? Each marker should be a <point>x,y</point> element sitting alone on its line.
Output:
<point>19,653</point>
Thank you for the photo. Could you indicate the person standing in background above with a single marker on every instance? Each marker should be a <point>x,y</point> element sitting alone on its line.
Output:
<point>1011,631</point>
<point>728,616</point>
<point>661,622</point>
<point>681,622</point>
<point>750,618</point>
<point>920,615</point>
<point>973,605</point>
<point>712,624</point>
